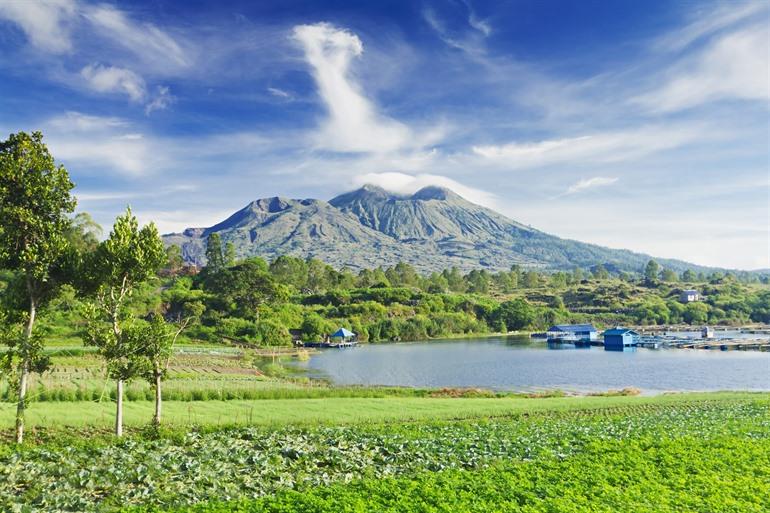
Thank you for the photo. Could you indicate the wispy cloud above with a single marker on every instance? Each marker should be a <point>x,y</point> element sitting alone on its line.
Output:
<point>148,42</point>
<point>62,26</point>
<point>110,79</point>
<point>160,101</point>
<point>92,141</point>
<point>280,93</point>
<point>617,146</point>
<point>45,22</point>
<point>733,66</point>
<point>590,183</point>
<point>712,21</point>
<point>477,23</point>
<point>469,42</point>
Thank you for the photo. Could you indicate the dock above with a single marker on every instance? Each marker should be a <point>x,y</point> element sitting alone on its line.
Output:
<point>339,345</point>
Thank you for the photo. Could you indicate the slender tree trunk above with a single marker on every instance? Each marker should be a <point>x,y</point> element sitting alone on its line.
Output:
<point>21,406</point>
<point>119,410</point>
<point>158,398</point>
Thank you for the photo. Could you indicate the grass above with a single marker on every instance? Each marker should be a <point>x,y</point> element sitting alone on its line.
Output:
<point>333,410</point>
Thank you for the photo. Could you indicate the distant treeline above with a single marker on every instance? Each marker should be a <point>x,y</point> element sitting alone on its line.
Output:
<point>256,301</point>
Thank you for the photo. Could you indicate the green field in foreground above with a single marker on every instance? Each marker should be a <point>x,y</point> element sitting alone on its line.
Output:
<point>704,453</point>
<point>328,410</point>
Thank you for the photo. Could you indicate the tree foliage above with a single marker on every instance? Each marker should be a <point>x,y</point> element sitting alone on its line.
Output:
<point>35,200</point>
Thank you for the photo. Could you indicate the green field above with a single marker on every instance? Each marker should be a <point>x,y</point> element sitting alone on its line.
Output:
<point>242,434</point>
<point>333,410</point>
<point>706,453</point>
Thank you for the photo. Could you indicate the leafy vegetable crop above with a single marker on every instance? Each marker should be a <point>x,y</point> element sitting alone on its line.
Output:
<point>249,463</point>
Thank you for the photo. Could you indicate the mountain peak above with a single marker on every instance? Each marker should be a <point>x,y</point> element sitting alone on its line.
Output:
<point>432,229</point>
<point>367,193</point>
<point>434,192</point>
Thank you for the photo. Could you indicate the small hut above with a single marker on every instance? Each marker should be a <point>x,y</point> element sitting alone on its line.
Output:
<point>618,338</point>
<point>689,296</point>
<point>345,337</point>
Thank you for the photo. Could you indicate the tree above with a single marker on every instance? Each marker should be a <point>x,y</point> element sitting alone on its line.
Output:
<point>515,314</point>
<point>669,276</point>
<point>157,346</point>
<point>247,286</point>
<point>651,271</point>
<point>689,276</point>
<point>129,257</point>
<point>600,272</point>
<point>84,233</point>
<point>314,328</point>
<point>229,254</point>
<point>174,260</point>
<point>478,281</point>
<point>215,258</point>
<point>317,276</point>
<point>577,275</point>
<point>290,271</point>
<point>454,279</point>
<point>695,313</point>
<point>530,280</point>
<point>437,284</point>
<point>34,202</point>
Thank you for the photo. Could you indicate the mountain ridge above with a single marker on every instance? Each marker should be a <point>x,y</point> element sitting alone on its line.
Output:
<point>432,229</point>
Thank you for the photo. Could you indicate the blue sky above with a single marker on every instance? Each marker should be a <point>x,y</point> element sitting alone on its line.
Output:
<point>641,125</point>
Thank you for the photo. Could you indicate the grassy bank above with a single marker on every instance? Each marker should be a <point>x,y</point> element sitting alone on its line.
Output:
<point>332,410</point>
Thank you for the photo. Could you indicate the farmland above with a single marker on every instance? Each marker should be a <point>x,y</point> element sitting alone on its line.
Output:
<point>694,452</point>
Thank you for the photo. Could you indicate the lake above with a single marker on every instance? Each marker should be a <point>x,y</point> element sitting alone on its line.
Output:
<point>517,363</point>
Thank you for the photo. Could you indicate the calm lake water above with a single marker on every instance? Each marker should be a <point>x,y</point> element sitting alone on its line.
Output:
<point>517,363</point>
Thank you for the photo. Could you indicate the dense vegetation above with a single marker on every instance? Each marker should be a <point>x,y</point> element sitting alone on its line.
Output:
<point>256,302</point>
<point>664,454</point>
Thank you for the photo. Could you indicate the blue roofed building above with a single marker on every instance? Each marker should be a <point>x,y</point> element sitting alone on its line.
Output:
<point>616,339</point>
<point>576,332</point>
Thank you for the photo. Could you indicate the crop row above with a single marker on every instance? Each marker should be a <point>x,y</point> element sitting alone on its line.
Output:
<point>721,475</point>
<point>250,462</point>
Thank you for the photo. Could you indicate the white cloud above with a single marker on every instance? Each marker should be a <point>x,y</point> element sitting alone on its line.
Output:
<point>705,25</point>
<point>477,23</point>
<point>161,101</point>
<point>623,145</point>
<point>481,25</point>
<point>45,22</point>
<point>110,79</point>
<point>589,183</point>
<point>408,184</point>
<point>175,221</point>
<point>280,93</point>
<point>77,121</point>
<point>353,125</point>
<point>733,66</point>
<point>151,44</point>
<point>105,143</point>
<point>468,44</point>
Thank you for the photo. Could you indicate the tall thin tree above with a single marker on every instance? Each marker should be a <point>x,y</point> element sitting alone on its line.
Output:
<point>127,258</point>
<point>35,200</point>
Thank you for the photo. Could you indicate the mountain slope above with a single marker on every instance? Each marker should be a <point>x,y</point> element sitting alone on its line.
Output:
<point>431,229</point>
